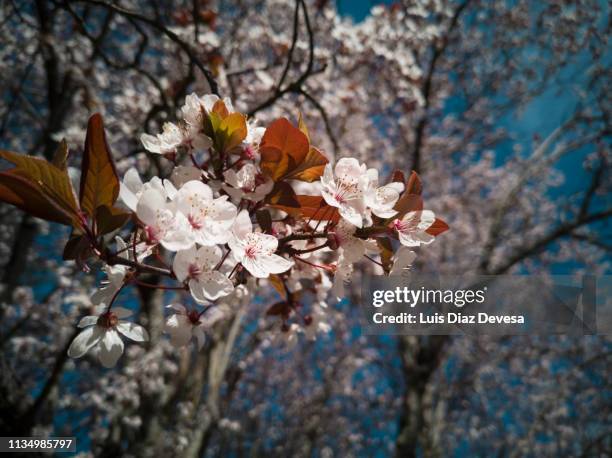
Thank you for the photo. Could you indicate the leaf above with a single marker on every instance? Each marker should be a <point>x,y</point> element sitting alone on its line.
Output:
<point>286,154</point>
<point>264,220</point>
<point>282,195</point>
<point>76,247</point>
<point>310,207</point>
<point>414,185</point>
<point>99,180</point>
<point>60,157</point>
<point>109,219</point>
<point>386,253</point>
<point>408,203</point>
<point>311,168</point>
<point>221,109</point>
<point>277,284</point>
<point>437,228</point>
<point>397,176</point>
<point>302,126</point>
<point>279,309</point>
<point>29,197</point>
<point>227,132</point>
<point>33,183</point>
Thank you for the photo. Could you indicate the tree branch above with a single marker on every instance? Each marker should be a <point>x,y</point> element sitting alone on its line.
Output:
<point>214,87</point>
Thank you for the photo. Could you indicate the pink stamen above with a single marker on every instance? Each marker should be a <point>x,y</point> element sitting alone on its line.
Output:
<point>249,152</point>
<point>152,235</point>
<point>339,198</point>
<point>399,225</point>
<point>195,223</point>
<point>194,271</point>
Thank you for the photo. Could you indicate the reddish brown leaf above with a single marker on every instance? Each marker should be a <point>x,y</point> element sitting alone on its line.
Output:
<point>302,126</point>
<point>408,203</point>
<point>29,197</point>
<point>414,185</point>
<point>99,180</point>
<point>397,176</point>
<point>311,168</point>
<point>286,154</point>
<point>264,220</point>
<point>282,195</point>
<point>386,252</point>
<point>437,228</point>
<point>109,219</point>
<point>277,284</point>
<point>60,157</point>
<point>76,247</point>
<point>311,207</point>
<point>279,309</point>
<point>43,178</point>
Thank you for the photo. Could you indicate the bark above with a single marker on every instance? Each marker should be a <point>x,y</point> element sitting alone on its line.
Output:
<point>420,359</point>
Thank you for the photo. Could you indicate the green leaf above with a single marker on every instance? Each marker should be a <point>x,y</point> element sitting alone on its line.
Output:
<point>227,130</point>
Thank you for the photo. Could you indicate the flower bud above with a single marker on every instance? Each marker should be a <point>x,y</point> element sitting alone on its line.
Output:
<point>332,241</point>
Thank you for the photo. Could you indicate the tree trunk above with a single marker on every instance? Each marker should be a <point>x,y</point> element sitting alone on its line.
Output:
<point>420,359</point>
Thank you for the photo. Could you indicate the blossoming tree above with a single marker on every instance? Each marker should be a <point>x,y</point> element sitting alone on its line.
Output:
<point>207,203</point>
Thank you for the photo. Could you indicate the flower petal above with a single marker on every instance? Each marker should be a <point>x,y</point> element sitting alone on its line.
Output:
<point>403,258</point>
<point>133,331</point>
<point>87,321</point>
<point>255,268</point>
<point>151,201</point>
<point>84,341</point>
<point>177,308</point>
<point>198,332</point>
<point>208,256</point>
<point>213,285</point>
<point>242,225</point>
<point>182,261</point>
<point>122,312</point>
<point>111,348</point>
<point>351,215</point>
<point>179,328</point>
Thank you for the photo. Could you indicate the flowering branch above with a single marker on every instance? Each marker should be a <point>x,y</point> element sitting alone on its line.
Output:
<point>238,204</point>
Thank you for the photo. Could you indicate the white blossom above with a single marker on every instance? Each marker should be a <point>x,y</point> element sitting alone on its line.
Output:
<point>209,220</point>
<point>162,223</point>
<point>247,183</point>
<point>382,199</point>
<point>101,332</point>
<point>411,228</point>
<point>344,188</point>
<point>183,325</point>
<point>196,266</point>
<point>255,251</point>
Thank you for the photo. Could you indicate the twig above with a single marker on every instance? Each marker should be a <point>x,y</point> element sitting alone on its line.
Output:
<point>214,87</point>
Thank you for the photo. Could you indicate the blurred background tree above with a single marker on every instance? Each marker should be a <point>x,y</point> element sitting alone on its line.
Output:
<point>502,107</point>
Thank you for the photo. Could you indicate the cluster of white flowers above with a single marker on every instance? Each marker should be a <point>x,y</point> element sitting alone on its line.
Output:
<point>204,216</point>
